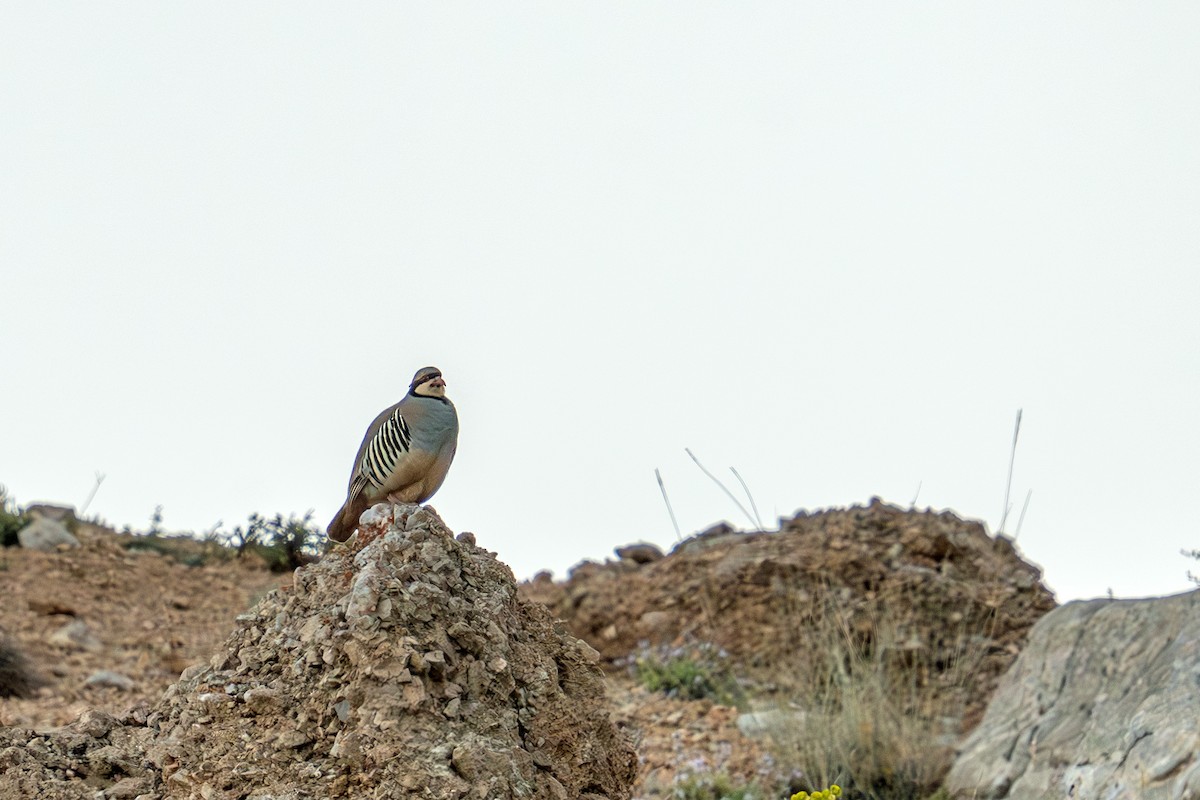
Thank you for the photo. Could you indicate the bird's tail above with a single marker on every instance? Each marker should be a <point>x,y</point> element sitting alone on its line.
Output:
<point>346,519</point>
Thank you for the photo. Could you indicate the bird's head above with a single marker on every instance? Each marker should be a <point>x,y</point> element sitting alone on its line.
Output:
<point>428,383</point>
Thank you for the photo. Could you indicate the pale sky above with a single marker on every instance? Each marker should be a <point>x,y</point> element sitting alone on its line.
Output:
<point>836,246</point>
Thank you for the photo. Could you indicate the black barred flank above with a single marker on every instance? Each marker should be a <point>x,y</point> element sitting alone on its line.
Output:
<point>387,445</point>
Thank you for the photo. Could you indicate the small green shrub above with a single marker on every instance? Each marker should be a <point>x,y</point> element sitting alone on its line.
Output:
<point>12,519</point>
<point>693,673</point>
<point>156,519</point>
<point>284,544</point>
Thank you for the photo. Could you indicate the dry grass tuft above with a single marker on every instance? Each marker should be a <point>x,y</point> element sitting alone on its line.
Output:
<point>870,708</point>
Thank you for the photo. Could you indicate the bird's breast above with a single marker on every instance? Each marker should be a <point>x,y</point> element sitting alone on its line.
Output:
<point>438,428</point>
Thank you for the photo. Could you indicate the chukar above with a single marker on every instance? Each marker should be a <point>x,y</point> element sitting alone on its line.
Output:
<point>405,454</point>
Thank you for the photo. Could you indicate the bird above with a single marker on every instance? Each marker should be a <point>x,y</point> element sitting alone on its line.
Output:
<point>405,454</point>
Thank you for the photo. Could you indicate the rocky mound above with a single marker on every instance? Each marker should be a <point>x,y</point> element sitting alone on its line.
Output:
<point>96,757</point>
<point>402,666</point>
<point>1102,703</point>
<point>941,583</point>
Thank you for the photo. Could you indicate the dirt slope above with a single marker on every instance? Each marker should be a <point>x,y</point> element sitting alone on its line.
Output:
<point>102,607</point>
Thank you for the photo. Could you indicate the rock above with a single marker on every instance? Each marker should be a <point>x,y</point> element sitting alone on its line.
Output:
<point>17,678</point>
<point>57,513</point>
<point>73,763</point>
<point>770,721</point>
<point>406,662</point>
<point>109,678</point>
<point>585,569</point>
<point>640,553</point>
<point>127,789</point>
<point>95,724</point>
<point>46,535</point>
<point>654,621</point>
<point>1102,703</point>
<point>712,536</point>
<point>261,700</point>
<point>75,635</point>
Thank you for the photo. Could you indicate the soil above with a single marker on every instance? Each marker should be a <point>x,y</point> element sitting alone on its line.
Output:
<point>944,599</point>
<point>140,613</point>
<point>943,583</point>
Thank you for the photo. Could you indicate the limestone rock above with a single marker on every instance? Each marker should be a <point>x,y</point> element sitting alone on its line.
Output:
<point>75,635</point>
<point>107,677</point>
<point>403,665</point>
<point>1102,703</point>
<point>46,535</point>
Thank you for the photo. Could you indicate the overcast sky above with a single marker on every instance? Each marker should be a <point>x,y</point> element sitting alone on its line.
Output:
<point>836,246</point>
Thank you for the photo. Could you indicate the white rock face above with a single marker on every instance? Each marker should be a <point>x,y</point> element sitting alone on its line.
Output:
<point>45,534</point>
<point>1103,704</point>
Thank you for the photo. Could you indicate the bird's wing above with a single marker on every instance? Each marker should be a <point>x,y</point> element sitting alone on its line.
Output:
<point>383,450</point>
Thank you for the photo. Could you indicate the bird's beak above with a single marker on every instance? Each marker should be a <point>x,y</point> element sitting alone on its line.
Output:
<point>438,383</point>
